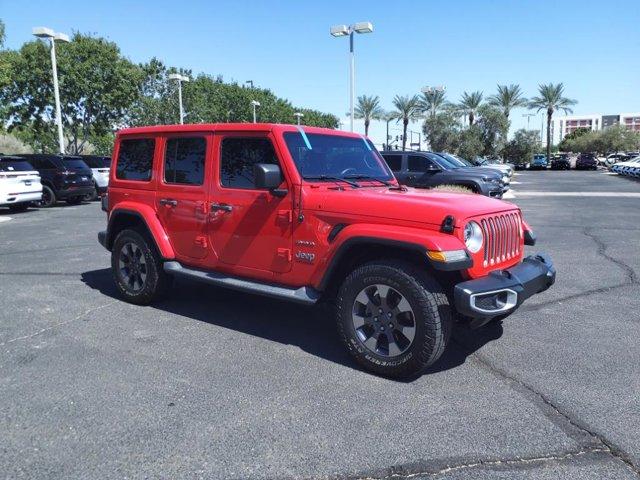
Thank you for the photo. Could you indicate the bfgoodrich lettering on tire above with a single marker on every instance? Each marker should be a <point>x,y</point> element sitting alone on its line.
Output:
<point>394,319</point>
<point>137,268</point>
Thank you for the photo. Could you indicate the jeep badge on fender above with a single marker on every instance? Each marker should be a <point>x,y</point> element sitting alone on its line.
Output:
<point>315,215</point>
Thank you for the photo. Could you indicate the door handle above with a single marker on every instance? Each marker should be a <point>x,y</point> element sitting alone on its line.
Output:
<point>168,202</point>
<point>221,207</point>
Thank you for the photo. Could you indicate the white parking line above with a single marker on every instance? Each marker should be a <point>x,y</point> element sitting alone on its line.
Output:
<point>4,219</point>
<point>579,194</point>
<point>508,194</point>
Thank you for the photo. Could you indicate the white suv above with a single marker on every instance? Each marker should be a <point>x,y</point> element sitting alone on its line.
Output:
<point>19,183</point>
<point>100,166</point>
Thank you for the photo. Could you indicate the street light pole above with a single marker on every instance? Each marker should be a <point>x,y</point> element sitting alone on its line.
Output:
<point>255,104</point>
<point>528,115</point>
<point>298,115</point>
<point>180,79</point>
<point>43,32</point>
<point>342,31</point>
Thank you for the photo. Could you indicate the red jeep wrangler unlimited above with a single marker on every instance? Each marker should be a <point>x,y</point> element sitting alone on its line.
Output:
<point>308,214</point>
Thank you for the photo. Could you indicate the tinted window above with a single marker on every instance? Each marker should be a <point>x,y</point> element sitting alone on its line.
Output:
<point>97,162</point>
<point>74,163</point>
<point>418,163</point>
<point>394,162</point>
<point>10,165</point>
<point>184,161</point>
<point>238,157</point>
<point>316,155</point>
<point>135,159</point>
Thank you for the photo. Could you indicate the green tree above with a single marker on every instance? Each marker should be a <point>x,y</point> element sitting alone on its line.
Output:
<point>610,140</point>
<point>493,127</point>
<point>508,98</point>
<point>406,110</point>
<point>368,108</point>
<point>443,131</point>
<point>432,102</point>
<point>568,141</point>
<point>521,148</point>
<point>469,104</point>
<point>551,98</point>
<point>2,35</point>
<point>97,85</point>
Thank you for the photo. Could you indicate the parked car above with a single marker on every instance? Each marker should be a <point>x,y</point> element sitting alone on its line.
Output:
<point>64,177</point>
<point>461,162</point>
<point>627,168</point>
<point>587,161</point>
<point>428,170</point>
<point>539,162</point>
<point>19,183</point>
<point>308,214</point>
<point>100,166</point>
<point>560,161</point>
<point>505,168</point>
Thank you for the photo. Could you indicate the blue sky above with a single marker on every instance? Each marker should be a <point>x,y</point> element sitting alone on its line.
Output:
<point>591,46</point>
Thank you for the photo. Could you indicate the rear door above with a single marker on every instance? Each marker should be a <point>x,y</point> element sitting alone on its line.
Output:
<point>181,192</point>
<point>250,229</point>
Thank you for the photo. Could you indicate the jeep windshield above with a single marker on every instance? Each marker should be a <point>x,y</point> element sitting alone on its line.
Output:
<point>321,157</point>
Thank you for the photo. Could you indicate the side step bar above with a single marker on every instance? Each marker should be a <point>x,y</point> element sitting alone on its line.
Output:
<point>305,295</point>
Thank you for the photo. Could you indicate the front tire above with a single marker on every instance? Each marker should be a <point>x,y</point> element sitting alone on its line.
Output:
<point>137,268</point>
<point>394,319</point>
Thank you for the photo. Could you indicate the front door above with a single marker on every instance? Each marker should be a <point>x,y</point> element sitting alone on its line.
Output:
<point>249,229</point>
<point>181,195</point>
<point>421,171</point>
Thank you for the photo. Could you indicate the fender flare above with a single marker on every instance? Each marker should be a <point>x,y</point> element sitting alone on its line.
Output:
<point>408,238</point>
<point>149,218</point>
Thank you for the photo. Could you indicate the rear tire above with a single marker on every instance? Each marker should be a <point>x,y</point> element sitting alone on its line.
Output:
<point>90,197</point>
<point>137,268</point>
<point>19,207</point>
<point>48,198</point>
<point>74,200</point>
<point>412,310</point>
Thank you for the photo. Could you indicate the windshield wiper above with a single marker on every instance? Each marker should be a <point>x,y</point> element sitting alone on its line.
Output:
<point>332,178</point>
<point>368,177</point>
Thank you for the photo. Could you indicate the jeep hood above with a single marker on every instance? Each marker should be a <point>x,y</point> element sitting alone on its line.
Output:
<point>410,206</point>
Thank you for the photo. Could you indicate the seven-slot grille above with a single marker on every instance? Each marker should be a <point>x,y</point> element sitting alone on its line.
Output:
<point>502,235</point>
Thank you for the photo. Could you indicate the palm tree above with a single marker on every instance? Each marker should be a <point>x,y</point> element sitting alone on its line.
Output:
<point>508,98</point>
<point>433,101</point>
<point>368,108</point>
<point>469,104</point>
<point>407,109</point>
<point>551,98</point>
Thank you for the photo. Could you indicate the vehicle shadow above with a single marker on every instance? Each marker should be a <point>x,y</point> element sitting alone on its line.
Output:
<point>309,328</point>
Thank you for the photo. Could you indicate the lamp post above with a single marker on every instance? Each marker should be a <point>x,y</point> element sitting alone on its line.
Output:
<point>44,32</point>
<point>255,104</point>
<point>180,79</point>
<point>249,82</point>
<point>343,31</point>
<point>298,115</point>
<point>528,115</point>
<point>430,91</point>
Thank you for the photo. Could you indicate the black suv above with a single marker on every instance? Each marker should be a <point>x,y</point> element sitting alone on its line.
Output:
<point>63,177</point>
<point>560,161</point>
<point>427,170</point>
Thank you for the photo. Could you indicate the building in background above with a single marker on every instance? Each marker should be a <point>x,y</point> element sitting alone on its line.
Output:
<point>562,126</point>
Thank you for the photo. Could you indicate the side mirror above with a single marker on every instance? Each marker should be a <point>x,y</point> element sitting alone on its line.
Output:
<point>432,167</point>
<point>267,176</point>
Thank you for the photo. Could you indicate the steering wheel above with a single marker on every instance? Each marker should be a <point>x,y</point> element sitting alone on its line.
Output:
<point>348,170</point>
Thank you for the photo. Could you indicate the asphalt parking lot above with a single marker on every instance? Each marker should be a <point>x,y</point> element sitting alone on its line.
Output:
<point>217,384</point>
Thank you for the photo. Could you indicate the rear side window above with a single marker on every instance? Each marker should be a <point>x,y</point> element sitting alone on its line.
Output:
<point>184,160</point>
<point>394,162</point>
<point>135,159</point>
<point>238,157</point>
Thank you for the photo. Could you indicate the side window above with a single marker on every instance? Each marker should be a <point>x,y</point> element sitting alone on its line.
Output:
<point>394,162</point>
<point>184,160</point>
<point>418,163</point>
<point>135,159</point>
<point>239,155</point>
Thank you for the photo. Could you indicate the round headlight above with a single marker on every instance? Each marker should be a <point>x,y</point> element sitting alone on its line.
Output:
<point>473,237</point>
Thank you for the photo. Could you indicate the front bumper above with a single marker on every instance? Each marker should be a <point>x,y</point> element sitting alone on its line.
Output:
<point>503,291</point>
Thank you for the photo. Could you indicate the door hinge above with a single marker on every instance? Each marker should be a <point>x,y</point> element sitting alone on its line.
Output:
<point>285,253</point>
<point>201,241</point>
